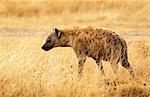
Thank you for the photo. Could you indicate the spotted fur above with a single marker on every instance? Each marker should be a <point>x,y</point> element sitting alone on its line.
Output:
<point>92,42</point>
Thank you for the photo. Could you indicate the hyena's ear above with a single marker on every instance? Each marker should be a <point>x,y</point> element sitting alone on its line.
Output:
<point>57,32</point>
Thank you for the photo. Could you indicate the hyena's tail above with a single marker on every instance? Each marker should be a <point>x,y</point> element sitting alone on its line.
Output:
<point>124,60</point>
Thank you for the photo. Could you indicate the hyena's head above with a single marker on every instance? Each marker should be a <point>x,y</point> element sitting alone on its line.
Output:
<point>52,40</point>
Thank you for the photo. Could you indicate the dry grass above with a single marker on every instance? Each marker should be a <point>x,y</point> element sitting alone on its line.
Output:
<point>28,71</point>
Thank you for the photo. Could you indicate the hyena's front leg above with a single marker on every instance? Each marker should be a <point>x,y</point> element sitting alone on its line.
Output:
<point>80,51</point>
<point>80,66</point>
<point>100,67</point>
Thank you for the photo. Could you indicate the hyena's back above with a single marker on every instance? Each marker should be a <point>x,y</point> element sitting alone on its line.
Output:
<point>102,44</point>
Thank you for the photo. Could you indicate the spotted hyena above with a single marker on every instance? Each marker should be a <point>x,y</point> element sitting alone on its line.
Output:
<point>91,42</point>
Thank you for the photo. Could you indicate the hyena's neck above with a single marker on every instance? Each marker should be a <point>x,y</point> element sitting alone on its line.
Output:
<point>71,37</point>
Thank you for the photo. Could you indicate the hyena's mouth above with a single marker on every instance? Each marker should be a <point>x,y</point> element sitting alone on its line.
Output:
<point>46,48</point>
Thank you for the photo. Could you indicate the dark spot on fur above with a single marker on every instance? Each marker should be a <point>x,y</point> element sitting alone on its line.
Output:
<point>96,34</point>
<point>108,40</point>
<point>121,43</point>
<point>80,40</point>
<point>101,67</point>
<point>125,43</point>
<point>108,83</point>
<point>122,56</point>
<point>109,50</point>
<point>90,55</point>
<point>118,60</point>
<point>94,58</point>
<point>144,84</point>
<point>86,52</point>
<point>93,39</point>
<point>90,41</point>
<point>106,59</point>
<point>103,34</point>
<point>72,34</point>
<point>124,63</point>
<point>115,83</point>
<point>80,52</point>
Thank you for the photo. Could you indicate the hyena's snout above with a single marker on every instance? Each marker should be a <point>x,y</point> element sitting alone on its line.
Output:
<point>46,47</point>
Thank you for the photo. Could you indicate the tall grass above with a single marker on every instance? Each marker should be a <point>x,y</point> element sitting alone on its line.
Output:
<point>28,71</point>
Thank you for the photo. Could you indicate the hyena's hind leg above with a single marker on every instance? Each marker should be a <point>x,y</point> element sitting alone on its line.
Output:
<point>125,63</point>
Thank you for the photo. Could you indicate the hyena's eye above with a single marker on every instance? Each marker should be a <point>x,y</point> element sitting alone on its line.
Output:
<point>48,41</point>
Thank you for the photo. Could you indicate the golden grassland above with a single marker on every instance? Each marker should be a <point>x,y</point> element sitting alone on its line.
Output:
<point>28,71</point>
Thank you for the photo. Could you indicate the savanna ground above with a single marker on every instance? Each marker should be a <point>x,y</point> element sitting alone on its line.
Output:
<point>28,71</point>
